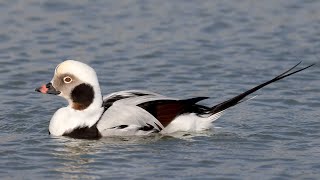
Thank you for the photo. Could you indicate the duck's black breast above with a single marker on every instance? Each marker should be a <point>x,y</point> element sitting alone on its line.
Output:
<point>84,133</point>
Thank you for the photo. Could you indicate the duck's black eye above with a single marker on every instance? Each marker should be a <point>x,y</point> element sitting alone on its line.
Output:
<point>67,79</point>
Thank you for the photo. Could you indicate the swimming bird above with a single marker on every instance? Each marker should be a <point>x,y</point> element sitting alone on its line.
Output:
<point>90,115</point>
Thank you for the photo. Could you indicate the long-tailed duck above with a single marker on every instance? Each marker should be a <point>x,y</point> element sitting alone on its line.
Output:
<point>90,115</point>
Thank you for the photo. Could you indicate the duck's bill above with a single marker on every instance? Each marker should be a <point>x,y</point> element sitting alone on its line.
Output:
<point>47,89</point>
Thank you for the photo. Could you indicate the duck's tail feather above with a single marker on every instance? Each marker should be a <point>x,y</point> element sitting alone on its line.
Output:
<point>240,98</point>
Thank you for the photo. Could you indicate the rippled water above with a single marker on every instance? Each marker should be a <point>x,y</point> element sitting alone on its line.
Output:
<point>178,48</point>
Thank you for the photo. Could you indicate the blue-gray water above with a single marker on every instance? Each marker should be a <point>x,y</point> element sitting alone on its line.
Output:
<point>178,48</point>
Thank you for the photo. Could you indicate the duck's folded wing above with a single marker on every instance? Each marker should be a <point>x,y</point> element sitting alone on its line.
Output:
<point>137,112</point>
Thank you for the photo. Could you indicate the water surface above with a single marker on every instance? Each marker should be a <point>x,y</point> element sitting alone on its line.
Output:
<point>178,48</point>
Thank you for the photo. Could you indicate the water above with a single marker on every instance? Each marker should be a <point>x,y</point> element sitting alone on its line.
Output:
<point>178,48</point>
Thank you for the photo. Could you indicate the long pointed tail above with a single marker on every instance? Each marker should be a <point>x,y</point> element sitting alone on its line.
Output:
<point>239,98</point>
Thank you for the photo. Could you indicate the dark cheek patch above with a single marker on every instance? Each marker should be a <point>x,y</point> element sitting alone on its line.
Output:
<point>82,96</point>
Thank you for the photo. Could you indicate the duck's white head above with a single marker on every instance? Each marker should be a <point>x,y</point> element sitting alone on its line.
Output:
<point>77,83</point>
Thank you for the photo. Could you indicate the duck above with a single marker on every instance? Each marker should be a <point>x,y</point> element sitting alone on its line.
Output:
<point>89,115</point>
